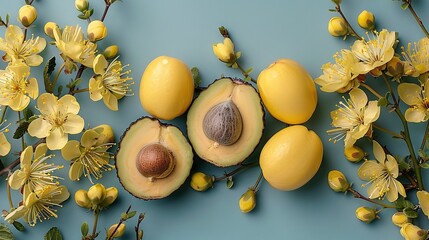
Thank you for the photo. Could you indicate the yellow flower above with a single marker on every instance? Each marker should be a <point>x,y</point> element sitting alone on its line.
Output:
<point>88,157</point>
<point>16,88</point>
<point>49,29</point>
<point>225,51</point>
<point>27,14</point>
<point>58,119</point>
<point>373,53</point>
<point>416,59</point>
<point>382,175</point>
<point>81,199</point>
<point>17,48</point>
<point>417,98</point>
<point>110,82</point>
<point>111,196</point>
<point>96,31</point>
<point>34,174</point>
<point>96,194</point>
<point>81,5</point>
<point>38,205</point>
<point>413,232</point>
<point>354,153</point>
<point>354,119</point>
<point>337,27</point>
<point>337,181</point>
<point>74,46</point>
<point>339,76</point>
<point>423,198</point>
<point>111,51</point>
<point>366,20</point>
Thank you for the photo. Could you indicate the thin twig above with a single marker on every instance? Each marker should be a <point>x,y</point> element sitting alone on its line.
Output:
<point>237,170</point>
<point>119,224</point>
<point>418,19</point>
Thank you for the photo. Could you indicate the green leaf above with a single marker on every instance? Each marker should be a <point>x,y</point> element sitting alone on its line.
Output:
<point>54,234</point>
<point>131,214</point>
<point>234,65</point>
<point>403,203</point>
<point>247,79</point>
<point>60,89</point>
<point>196,76</point>
<point>338,2</point>
<point>382,102</point>
<point>21,130</point>
<point>249,70</point>
<point>124,216</point>
<point>28,113</point>
<point>403,165</point>
<point>84,229</point>
<point>18,226</point>
<point>410,212</point>
<point>237,55</point>
<point>229,182</point>
<point>404,6</point>
<point>82,16</point>
<point>425,165</point>
<point>47,72</point>
<point>7,18</point>
<point>91,11</point>
<point>74,83</point>
<point>5,233</point>
<point>332,10</point>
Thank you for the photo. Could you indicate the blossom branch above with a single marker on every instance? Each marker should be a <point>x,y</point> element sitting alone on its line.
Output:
<point>338,9</point>
<point>422,146</point>
<point>418,19</point>
<point>106,9</point>
<point>139,233</point>
<point>357,194</point>
<point>394,134</point>
<point>237,170</point>
<point>255,186</point>
<point>110,237</point>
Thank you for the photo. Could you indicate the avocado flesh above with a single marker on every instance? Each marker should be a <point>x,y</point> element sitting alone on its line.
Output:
<point>249,104</point>
<point>147,131</point>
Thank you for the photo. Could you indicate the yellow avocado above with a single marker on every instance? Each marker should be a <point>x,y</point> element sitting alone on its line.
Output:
<point>288,91</point>
<point>166,88</point>
<point>291,157</point>
<point>151,132</point>
<point>248,122</point>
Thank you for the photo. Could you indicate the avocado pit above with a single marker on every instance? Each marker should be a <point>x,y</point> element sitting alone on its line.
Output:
<point>155,161</point>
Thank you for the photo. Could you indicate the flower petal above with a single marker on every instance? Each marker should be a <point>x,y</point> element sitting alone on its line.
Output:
<point>39,128</point>
<point>4,145</point>
<point>76,170</point>
<point>32,88</point>
<point>392,194</point>
<point>89,138</point>
<point>69,104</point>
<point>74,124</point>
<point>392,166</point>
<point>14,34</point>
<point>17,179</point>
<point>94,90</point>
<point>410,93</point>
<point>379,153</point>
<point>33,60</point>
<point>415,114</point>
<point>110,101</point>
<point>16,214</point>
<point>372,112</point>
<point>359,98</point>
<point>100,64</point>
<point>19,102</point>
<point>423,198</point>
<point>71,150</point>
<point>41,150</point>
<point>56,139</point>
<point>369,170</point>
<point>375,190</point>
<point>26,156</point>
<point>47,104</point>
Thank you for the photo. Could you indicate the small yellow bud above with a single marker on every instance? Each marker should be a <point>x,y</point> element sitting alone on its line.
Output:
<point>81,5</point>
<point>119,232</point>
<point>106,134</point>
<point>366,214</point>
<point>49,29</point>
<point>225,51</point>
<point>111,195</point>
<point>413,232</point>
<point>247,201</point>
<point>111,51</point>
<point>81,199</point>
<point>366,20</point>
<point>96,31</point>
<point>354,154</point>
<point>27,15</point>
<point>337,27</point>
<point>337,181</point>
<point>399,219</point>
<point>96,194</point>
<point>201,182</point>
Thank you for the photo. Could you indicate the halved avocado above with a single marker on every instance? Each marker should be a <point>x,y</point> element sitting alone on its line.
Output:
<point>147,140</point>
<point>225,122</point>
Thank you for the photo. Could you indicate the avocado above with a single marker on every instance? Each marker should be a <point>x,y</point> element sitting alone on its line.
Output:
<point>225,122</point>
<point>153,159</point>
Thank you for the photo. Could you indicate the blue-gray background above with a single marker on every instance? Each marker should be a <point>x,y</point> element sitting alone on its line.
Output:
<point>264,31</point>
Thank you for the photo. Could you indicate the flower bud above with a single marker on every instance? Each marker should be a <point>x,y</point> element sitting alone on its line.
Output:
<point>119,232</point>
<point>27,15</point>
<point>247,201</point>
<point>111,51</point>
<point>412,232</point>
<point>111,195</point>
<point>81,199</point>
<point>399,219</point>
<point>354,153</point>
<point>81,5</point>
<point>366,20</point>
<point>225,51</point>
<point>395,68</point>
<point>201,182</point>
<point>49,29</point>
<point>337,181</point>
<point>337,27</point>
<point>366,214</point>
<point>96,194</point>
<point>96,31</point>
